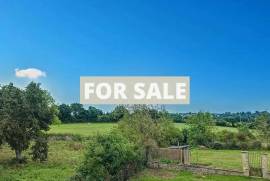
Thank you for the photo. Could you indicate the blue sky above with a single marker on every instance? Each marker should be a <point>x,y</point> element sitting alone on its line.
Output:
<point>224,46</point>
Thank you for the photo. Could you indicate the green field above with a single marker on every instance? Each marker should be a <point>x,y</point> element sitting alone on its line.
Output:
<point>83,129</point>
<point>65,156</point>
<point>87,129</point>
<point>169,175</point>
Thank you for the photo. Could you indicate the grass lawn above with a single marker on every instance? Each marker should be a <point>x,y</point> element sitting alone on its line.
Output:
<point>64,157</point>
<point>168,175</point>
<point>88,129</point>
<point>83,129</point>
<point>226,159</point>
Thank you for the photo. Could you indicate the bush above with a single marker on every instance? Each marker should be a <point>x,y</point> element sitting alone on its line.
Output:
<point>150,128</point>
<point>105,118</point>
<point>243,146</point>
<point>66,137</point>
<point>256,145</point>
<point>108,158</point>
<point>40,149</point>
<point>169,134</point>
<point>217,146</point>
<point>200,129</point>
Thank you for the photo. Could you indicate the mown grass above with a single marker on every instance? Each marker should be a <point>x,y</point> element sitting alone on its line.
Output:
<point>83,129</point>
<point>88,129</point>
<point>226,159</point>
<point>169,175</point>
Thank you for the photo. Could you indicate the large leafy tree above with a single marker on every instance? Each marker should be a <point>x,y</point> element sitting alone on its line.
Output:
<point>65,113</point>
<point>78,112</point>
<point>24,115</point>
<point>93,113</point>
<point>200,128</point>
<point>118,113</point>
<point>263,126</point>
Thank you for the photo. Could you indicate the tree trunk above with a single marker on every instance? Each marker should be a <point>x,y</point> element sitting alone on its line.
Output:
<point>18,155</point>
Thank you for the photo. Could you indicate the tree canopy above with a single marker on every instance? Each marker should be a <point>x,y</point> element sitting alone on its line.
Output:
<point>24,114</point>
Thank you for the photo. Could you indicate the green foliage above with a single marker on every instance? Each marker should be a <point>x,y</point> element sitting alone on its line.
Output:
<point>263,126</point>
<point>118,113</point>
<point>107,156</point>
<point>140,128</point>
<point>65,113</point>
<point>149,129</point>
<point>93,114</point>
<point>243,139</point>
<point>56,120</point>
<point>177,117</point>
<point>23,114</point>
<point>244,134</point>
<point>76,113</point>
<point>200,131</point>
<point>40,148</point>
<point>169,134</point>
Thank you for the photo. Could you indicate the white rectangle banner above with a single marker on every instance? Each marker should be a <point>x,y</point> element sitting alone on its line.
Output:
<point>135,90</point>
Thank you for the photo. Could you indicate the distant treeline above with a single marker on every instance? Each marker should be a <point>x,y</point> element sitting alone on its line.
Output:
<point>77,113</point>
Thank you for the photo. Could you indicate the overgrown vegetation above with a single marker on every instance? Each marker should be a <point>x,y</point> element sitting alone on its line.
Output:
<point>123,151</point>
<point>24,115</point>
<point>76,113</point>
<point>110,157</point>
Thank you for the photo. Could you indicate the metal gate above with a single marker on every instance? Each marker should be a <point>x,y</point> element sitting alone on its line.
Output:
<point>255,162</point>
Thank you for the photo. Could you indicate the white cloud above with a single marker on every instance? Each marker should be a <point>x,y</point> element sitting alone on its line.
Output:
<point>31,73</point>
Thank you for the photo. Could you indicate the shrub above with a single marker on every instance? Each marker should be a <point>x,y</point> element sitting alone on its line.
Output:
<point>200,129</point>
<point>107,158</point>
<point>66,137</point>
<point>256,145</point>
<point>169,134</point>
<point>243,146</point>
<point>150,128</point>
<point>217,146</point>
<point>227,138</point>
<point>40,149</point>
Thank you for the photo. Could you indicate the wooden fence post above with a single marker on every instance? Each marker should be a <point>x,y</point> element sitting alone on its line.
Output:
<point>245,163</point>
<point>186,156</point>
<point>265,166</point>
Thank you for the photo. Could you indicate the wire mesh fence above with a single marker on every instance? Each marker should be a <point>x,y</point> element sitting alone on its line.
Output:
<point>254,159</point>
<point>223,159</point>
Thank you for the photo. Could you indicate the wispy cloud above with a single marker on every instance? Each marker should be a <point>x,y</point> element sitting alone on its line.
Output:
<point>30,73</point>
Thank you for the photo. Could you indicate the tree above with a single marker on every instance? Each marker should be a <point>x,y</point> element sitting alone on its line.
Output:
<point>141,128</point>
<point>200,128</point>
<point>263,126</point>
<point>78,112</point>
<point>24,114</point>
<point>118,113</point>
<point>65,113</point>
<point>93,114</point>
